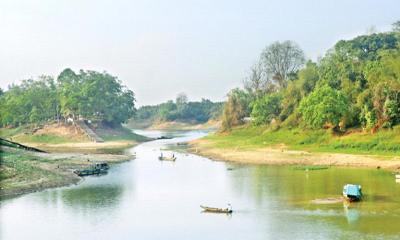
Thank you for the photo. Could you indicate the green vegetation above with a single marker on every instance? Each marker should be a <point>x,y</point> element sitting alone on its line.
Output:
<point>119,133</point>
<point>384,142</point>
<point>180,111</point>
<point>356,85</point>
<point>324,105</point>
<point>45,138</point>
<point>88,94</point>
<point>21,172</point>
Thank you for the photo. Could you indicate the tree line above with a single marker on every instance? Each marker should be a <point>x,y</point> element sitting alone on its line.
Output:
<point>87,94</point>
<point>356,84</point>
<point>180,110</point>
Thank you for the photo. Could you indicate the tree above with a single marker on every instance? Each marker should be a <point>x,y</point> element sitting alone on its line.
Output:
<point>324,105</point>
<point>257,83</point>
<point>267,108</point>
<point>235,109</point>
<point>396,26</point>
<point>281,60</point>
<point>181,99</point>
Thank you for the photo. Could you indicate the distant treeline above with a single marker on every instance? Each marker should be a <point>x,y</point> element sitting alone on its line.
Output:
<point>88,94</point>
<point>356,84</point>
<point>181,111</point>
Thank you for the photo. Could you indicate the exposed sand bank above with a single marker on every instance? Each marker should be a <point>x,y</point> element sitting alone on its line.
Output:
<point>280,155</point>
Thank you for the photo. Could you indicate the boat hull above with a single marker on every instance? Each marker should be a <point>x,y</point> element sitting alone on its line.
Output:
<point>167,158</point>
<point>216,210</point>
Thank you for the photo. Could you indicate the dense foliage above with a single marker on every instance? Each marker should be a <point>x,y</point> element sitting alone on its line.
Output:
<point>356,84</point>
<point>88,94</point>
<point>324,106</point>
<point>181,110</point>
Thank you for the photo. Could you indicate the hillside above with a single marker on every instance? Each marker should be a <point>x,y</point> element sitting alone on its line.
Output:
<point>67,137</point>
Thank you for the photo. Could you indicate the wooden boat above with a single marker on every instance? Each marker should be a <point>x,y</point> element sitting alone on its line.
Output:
<point>163,137</point>
<point>216,210</point>
<point>352,192</point>
<point>182,144</point>
<point>95,169</point>
<point>163,158</point>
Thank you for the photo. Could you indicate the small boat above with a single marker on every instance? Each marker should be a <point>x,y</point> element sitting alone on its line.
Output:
<point>163,137</point>
<point>217,210</point>
<point>163,158</point>
<point>352,192</point>
<point>95,169</point>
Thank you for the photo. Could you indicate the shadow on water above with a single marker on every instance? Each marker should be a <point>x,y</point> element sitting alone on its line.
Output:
<point>92,197</point>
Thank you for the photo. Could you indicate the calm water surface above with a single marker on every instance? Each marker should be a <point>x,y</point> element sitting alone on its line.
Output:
<point>149,199</point>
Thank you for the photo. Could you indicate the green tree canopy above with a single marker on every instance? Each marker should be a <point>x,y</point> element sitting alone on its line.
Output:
<point>324,105</point>
<point>267,108</point>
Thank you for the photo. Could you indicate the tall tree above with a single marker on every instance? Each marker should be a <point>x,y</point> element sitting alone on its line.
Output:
<point>396,26</point>
<point>282,59</point>
<point>257,83</point>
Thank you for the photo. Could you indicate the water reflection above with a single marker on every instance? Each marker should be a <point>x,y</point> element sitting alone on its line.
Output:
<point>351,212</point>
<point>90,198</point>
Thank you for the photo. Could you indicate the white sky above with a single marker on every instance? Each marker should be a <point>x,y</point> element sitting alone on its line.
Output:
<point>161,48</point>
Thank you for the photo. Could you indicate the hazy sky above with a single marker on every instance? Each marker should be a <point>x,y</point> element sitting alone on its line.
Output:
<point>160,48</point>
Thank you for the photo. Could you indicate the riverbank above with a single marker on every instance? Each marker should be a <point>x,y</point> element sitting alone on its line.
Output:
<point>67,149</point>
<point>24,172</point>
<point>260,146</point>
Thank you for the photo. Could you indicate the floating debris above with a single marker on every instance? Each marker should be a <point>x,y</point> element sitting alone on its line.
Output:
<point>327,200</point>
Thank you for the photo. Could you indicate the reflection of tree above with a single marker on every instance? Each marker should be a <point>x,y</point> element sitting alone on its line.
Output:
<point>99,197</point>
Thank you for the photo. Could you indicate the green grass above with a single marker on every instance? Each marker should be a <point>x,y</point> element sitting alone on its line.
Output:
<point>385,142</point>
<point>9,132</point>
<point>121,133</point>
<point>44,138</point>
<point>20,164</point>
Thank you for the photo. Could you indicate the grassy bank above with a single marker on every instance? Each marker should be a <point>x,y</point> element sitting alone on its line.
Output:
<point>65,138</point>
<point>384,142</point>
<point>69,149</point>
<point>23,171</point>
<point>302,147</point>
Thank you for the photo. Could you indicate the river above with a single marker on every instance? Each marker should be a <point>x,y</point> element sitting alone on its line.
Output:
<point>150,199</point>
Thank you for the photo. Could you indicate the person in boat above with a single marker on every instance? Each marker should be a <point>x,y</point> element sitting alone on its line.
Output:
<point>229,207</point>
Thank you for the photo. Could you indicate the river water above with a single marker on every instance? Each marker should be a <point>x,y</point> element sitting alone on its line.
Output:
<point>150,199</point>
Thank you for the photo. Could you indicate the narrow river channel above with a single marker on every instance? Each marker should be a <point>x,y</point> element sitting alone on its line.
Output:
<point>150,199</point>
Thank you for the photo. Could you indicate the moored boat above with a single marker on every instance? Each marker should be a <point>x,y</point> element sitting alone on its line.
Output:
<point>95,169</point>
<point>352,192</point>
<point>217,210</point>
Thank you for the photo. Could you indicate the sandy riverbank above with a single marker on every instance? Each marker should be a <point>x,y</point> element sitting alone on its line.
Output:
<point>280,155</point>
